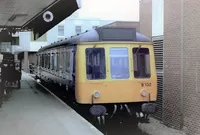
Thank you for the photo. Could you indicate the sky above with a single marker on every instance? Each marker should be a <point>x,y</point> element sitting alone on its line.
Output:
<point>122,10</point>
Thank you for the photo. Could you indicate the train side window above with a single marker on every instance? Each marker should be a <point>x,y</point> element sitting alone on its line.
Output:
<point>48,61</point>
<point>63,61</point>
<point>67,61</point>
<point>58,61</point>
<point>141,61</point>
<point>38,57</point>
<point>45,60</point>
<point>119,63</point>
<point>41,60</point>
<point>95,63</point>
<point>55,61</point>
<point>52,61</point>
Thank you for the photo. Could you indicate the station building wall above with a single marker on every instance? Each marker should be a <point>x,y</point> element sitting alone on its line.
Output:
<point>182,65</point>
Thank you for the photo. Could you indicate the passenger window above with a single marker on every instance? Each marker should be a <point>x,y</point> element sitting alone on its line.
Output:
<point>141,62</point>
<point>48,61</point>
<point>67,61</point>
<point>58,61</point>
<point>55,61</point>
<point>95,63</point>
<point>41,60</point>
<point>63,61</point>
<point>52,61</point>
<point>38,57</point>
<point>119,63</point>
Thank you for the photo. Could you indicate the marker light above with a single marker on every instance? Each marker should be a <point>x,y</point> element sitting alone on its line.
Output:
<point>96,94</point>
<point>144,93</point>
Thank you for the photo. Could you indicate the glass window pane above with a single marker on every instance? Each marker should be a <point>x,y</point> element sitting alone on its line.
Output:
<point>58,61</point>
<point>41,60</point>
<point>119,63</point>
<point>61,30</point>
<point>95,63</point>
<point>78,29</point>
<point>52,61</point>
<point>48,61</point>
<point>37,64</point>
<point>55,61</point>
<point>67,61</point>
<point>141,62</point>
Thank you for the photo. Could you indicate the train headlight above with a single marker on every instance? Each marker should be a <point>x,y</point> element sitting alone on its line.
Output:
<point>96,94</point>
<point>144,93</point>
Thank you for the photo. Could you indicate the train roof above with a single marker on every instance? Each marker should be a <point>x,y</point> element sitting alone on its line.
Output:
<point>102,34</point>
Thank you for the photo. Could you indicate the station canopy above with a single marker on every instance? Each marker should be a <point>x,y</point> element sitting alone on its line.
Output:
<point>22,15</point>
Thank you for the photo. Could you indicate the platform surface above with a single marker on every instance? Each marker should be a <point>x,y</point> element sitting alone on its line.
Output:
<point>32,111</point>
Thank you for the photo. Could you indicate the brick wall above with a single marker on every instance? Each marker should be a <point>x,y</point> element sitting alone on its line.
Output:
<point>172,65</point>
<point>191,87</point>
<point>191,65</point>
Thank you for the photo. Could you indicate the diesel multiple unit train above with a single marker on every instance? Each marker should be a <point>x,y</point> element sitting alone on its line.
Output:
<point>107,68</point>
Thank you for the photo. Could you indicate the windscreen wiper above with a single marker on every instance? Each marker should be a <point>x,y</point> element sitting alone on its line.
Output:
<point>138,49</point>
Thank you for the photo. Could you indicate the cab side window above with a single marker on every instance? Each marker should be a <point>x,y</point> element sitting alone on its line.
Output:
<point>141,60</point>
<point>95,63</point>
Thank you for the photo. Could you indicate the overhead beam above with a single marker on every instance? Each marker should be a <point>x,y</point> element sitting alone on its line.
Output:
<point>61,9</point>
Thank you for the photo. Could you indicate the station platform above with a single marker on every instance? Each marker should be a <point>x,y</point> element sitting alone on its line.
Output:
<point>33,111</point>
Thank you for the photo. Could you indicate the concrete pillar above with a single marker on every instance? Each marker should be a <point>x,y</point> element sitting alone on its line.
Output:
<point>146,17</point>
<point>26,63</point>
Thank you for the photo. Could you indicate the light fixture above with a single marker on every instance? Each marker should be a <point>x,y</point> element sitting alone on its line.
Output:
<point>144,93</point>
<point>96,94</point>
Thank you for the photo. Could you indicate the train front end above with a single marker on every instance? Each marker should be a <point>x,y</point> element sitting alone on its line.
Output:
<point>117,73</point>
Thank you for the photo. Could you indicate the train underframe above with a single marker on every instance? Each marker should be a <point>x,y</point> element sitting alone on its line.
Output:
<point>135,112</point>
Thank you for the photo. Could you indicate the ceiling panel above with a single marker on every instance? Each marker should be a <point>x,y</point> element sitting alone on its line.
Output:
<point>28,13</point>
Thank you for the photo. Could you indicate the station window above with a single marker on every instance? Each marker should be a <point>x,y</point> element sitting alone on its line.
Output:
<point>119,63</point>
<point>95,63</point>
<point>61,30</point>
<point>141,62</point>
<point>78,29</point>
<point>67,61</point>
